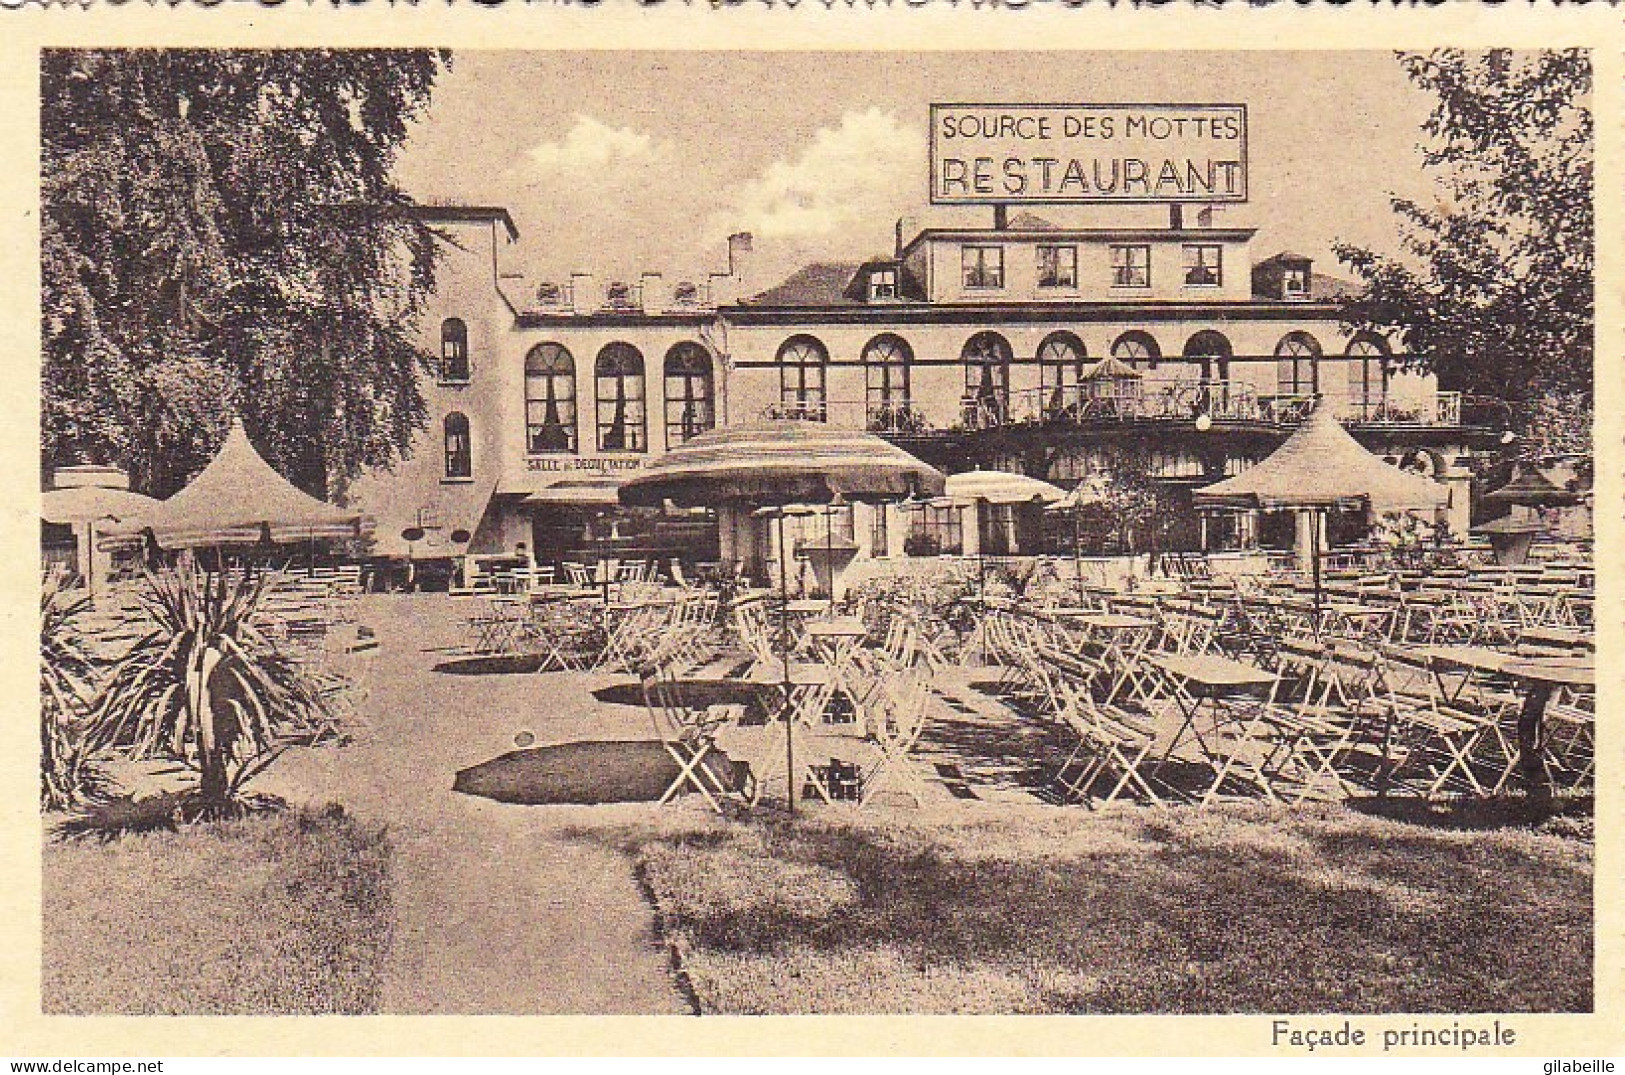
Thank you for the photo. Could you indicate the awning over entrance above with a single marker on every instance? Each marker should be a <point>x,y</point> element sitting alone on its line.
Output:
<point>589,492</point>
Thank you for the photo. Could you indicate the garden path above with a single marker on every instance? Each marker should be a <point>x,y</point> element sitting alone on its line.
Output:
<point>499,909</point>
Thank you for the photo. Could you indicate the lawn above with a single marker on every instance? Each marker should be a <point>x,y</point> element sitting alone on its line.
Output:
<point>1244,909</point>
<point>276,914</point>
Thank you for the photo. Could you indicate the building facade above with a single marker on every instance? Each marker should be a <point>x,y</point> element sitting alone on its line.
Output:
<point>1020,346</point>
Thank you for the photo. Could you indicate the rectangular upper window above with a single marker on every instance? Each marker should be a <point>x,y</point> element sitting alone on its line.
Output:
<point>1131,265</point>
<point>882,284</point>
<point>1204,265</point>
<point>1057,266</point>
<point>983,267</point>
<point>1295,283</point>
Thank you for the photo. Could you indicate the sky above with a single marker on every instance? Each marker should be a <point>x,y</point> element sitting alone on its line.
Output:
<point>617,163</point>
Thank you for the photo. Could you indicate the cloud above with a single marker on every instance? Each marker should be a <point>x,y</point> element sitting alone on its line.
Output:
<point>592,144</point>
<point>852,175</point>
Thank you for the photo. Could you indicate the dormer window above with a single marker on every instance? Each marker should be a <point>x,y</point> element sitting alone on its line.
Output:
<point>1295,282</point>
<point>549,294</point>
<point>618,296</point>
<point>686,294</point>
<point>882,284</point>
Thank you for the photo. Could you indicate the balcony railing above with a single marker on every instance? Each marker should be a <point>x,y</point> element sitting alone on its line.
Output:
<point>1141,401</point>
<point>895,419</point>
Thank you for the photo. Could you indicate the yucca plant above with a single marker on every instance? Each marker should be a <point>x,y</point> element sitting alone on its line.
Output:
<point>67,687</point>
<point>206,686</point>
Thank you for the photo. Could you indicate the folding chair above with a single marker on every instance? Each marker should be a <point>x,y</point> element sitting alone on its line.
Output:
<point>689,735</point>
<point>1316,723</point>
<point>896,722</point>
<point>1422,731</point>
<point>1570,757</point>
<point>1109,743</point>
<point>343,678</point>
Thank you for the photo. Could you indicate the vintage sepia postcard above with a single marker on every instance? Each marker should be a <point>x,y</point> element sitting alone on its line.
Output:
<point>857,513</point>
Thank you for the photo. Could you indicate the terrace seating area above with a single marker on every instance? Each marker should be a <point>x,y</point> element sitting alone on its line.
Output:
<point>1451,683</point>
<point>1472,681</point>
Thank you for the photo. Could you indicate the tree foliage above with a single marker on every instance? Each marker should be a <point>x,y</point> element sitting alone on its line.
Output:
<point>221,234</point>
<point>1494,291</point>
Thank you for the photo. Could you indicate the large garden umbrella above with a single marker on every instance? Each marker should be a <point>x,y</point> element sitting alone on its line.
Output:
<point>776,463</point>
<point>997,487</point>
<point>1529,488</point>
<point>89,504</point>
<point>1000,487</point>
<point>1319,467</point>
<point>84,508</point>
<point>238,499</point>
<point>779,462</point>
<point>597,491</point>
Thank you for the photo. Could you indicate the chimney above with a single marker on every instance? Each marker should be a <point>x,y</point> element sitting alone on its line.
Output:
<point>584,297</point>
<point>907,226</point>
<point>651,293</point>
<point>739,248</point>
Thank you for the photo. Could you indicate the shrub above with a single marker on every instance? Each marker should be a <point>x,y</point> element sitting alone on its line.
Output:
<point>67,687</point>
<point>205,686</point>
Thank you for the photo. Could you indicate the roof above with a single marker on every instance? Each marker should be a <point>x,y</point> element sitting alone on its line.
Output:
<point>239,499</point>
<point>1323,288</point>
<point>1286,255</point>
<point>833,283</point>
<point>1030,222</point>
<point>466,214</point>
<point>1043,230</point>
<point>823,283</point>
<point>1321,465</point>
<point>1111,368</point>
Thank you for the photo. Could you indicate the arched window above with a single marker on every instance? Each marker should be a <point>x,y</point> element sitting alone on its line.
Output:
<point>1297,365</point>
<point>887,388</point>
<point>802,369</point>
<point>987,378</point>
<point>453,350</point>
<point>550,399</point>
<point>459,447</point>
<point>1138,350</point>
<point>1060,371</point>
<point>1212,351</point>
<point>1368,374</point>
<point>619,374</point>
<point>690,393</point>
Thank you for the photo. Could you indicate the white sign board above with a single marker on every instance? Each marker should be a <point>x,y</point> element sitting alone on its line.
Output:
<point>990,154</point>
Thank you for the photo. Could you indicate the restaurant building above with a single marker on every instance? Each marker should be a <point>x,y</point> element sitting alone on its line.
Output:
<point>1021,345</point>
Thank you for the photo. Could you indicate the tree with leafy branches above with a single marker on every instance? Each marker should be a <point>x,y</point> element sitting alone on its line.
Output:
<point>221,234</point>
<point>1493,291</point>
